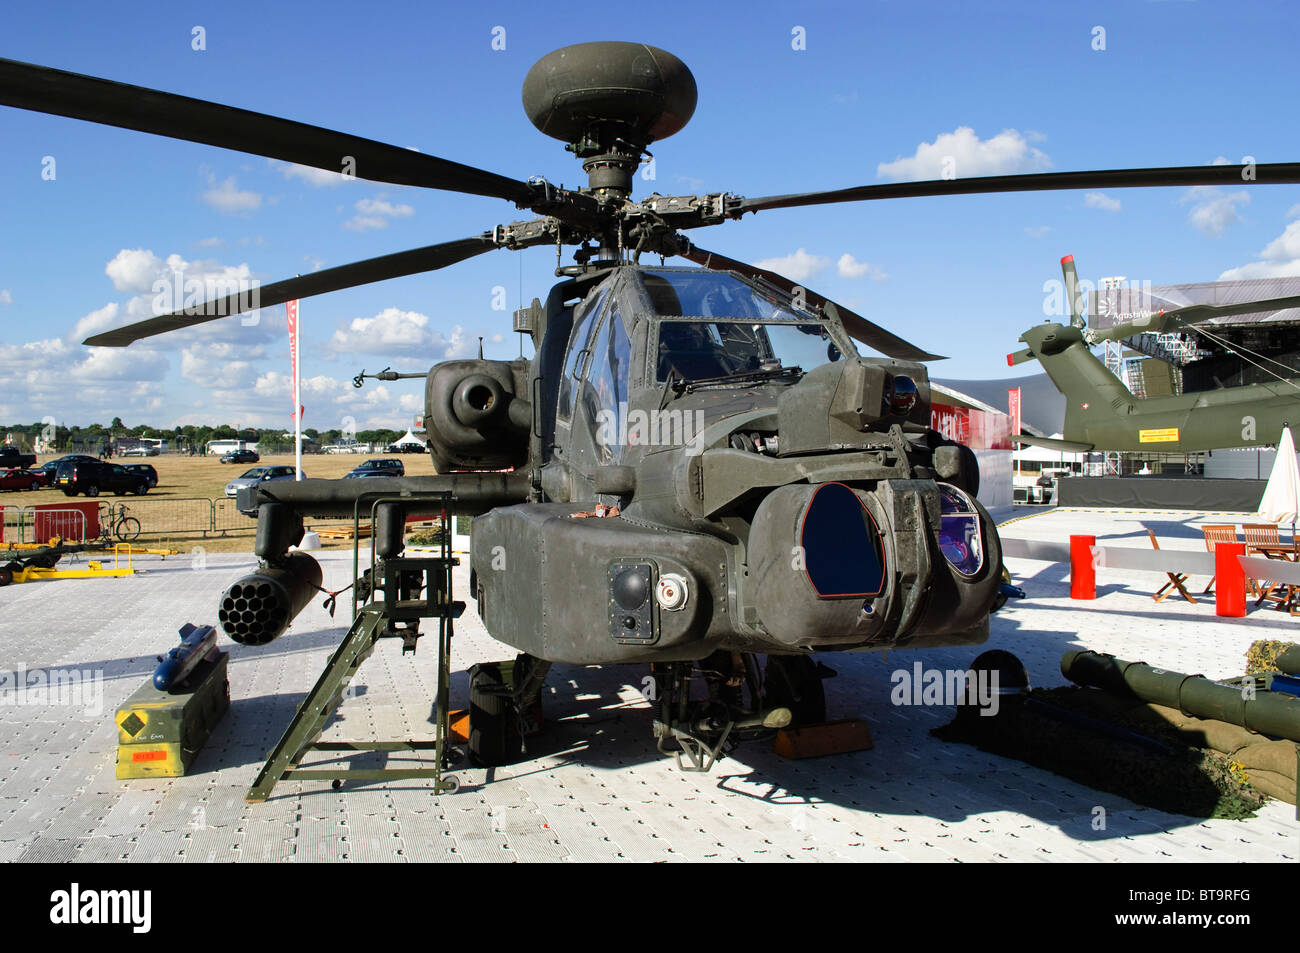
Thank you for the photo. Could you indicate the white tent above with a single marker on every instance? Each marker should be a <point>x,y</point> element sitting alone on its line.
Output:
<point>408,437</point>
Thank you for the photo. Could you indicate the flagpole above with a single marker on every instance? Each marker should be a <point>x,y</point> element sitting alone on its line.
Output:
<point>291,313</point>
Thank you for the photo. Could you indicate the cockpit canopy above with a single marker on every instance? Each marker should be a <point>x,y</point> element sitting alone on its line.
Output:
<point>753,329</point>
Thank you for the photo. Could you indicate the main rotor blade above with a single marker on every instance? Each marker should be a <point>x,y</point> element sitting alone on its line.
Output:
<point>858,327</point>
<point>1191,314</point>
<point>411,262</point>
<point>1276,173</point>
<point>40,88</point>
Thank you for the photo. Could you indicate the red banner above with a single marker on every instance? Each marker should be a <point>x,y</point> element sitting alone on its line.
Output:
<point>291,312</point>
<point>977,429</point>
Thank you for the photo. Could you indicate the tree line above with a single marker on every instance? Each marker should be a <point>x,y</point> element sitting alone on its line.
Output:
<point>92,436</point>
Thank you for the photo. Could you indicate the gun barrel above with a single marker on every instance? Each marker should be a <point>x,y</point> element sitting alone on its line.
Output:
<point>1270,713</point>
<point>475,493</point>
<point>259,607</point>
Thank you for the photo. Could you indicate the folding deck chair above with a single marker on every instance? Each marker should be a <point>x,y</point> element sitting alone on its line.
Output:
<point>1262,540</point>
<point>1217,533</point>
<point>1176,579</point>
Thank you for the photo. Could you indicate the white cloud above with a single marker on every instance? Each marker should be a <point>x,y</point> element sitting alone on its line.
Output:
<point>1037,231</point>
<point>1213,211</point>
<point>328,400</point>
<point>227,198</point>
<point>5,296</point>
<point>375,213</point>
<point>1293,211</point>
<point>1281,259</point>
<point>850,267</point>
<point>212,242</point>
<point>221,364</point>
<point>317,178</point>
<point>159,287</point>
<point>1102,201</point>
<point>963,154</point>
<point>113,364</point>
<point>98,320</point>
<point>75,383</point>
<point>404,332</point>
<point>797,267</point>
<point>134,270</point>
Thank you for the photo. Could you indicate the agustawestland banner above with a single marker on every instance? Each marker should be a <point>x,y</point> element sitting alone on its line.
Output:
<point>977,429</point>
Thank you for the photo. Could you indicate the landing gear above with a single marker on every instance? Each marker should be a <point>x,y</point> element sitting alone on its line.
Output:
<point>697,731</point>
<point>795,681</point>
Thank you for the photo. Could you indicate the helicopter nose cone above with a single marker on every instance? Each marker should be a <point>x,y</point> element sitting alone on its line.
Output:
<point>645,90</point>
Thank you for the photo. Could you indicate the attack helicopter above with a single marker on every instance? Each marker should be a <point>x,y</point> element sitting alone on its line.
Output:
<point>1102,414</point>
<point>696,469</point>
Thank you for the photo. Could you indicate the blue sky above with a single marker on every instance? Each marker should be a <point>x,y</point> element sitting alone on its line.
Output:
<point>880,91</point>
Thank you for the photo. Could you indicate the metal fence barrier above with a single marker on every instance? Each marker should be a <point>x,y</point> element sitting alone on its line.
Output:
<point>159,517</point>
<point>33,524</point>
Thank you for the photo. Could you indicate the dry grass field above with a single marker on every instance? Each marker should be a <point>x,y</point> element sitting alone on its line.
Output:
<point>176,513</point>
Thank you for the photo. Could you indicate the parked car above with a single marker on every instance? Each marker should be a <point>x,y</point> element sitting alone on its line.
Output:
<point>20,480</point>
<point>240,456</point>
<point>141,452</point>
<point>259,475</point>
<point>374,468</point>
<point>11,457</point>
<point>146,469</point>
<point>49,471</point>
<point>91,476</point>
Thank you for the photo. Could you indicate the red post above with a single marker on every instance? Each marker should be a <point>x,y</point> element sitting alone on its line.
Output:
<point>1083,577</point>
<point>1230,583</point>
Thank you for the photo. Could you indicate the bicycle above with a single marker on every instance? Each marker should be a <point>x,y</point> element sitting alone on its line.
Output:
<point>119,524</point>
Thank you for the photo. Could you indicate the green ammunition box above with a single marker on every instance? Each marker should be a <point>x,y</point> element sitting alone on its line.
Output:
<point>160,733</point>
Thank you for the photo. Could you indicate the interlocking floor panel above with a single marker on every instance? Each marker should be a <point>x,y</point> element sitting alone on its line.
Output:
<point>592,787</point>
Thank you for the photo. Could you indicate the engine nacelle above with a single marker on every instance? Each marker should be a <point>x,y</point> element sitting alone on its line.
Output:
<point>477,415</point>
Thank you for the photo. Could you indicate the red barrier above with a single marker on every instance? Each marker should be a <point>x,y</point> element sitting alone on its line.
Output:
<point>1230,580</point>
<point>1083,577</point>
<point>66,520</point>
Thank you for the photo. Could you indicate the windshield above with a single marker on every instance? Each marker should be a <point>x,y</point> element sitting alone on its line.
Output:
<point>712,294</point>
<point>251,474</point>
<point>697,350</point>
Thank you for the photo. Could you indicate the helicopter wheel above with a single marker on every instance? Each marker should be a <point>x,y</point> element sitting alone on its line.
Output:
<point>794,682</point>
<point>493,722</point>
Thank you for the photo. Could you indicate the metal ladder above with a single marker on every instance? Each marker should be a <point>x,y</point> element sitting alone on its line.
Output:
<point>371,622</point>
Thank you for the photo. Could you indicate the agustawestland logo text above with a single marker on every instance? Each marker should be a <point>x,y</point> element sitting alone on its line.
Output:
<point>77,906</point>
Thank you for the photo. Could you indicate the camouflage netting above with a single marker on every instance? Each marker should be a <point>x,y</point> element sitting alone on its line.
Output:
<point>1263,656</point>
<point>1209,768</point>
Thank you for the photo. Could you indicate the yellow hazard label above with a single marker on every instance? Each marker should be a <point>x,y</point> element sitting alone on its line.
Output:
<point>1164,435</point>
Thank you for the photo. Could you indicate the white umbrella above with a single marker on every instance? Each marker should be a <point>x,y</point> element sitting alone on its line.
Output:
<point>1282,495</point>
